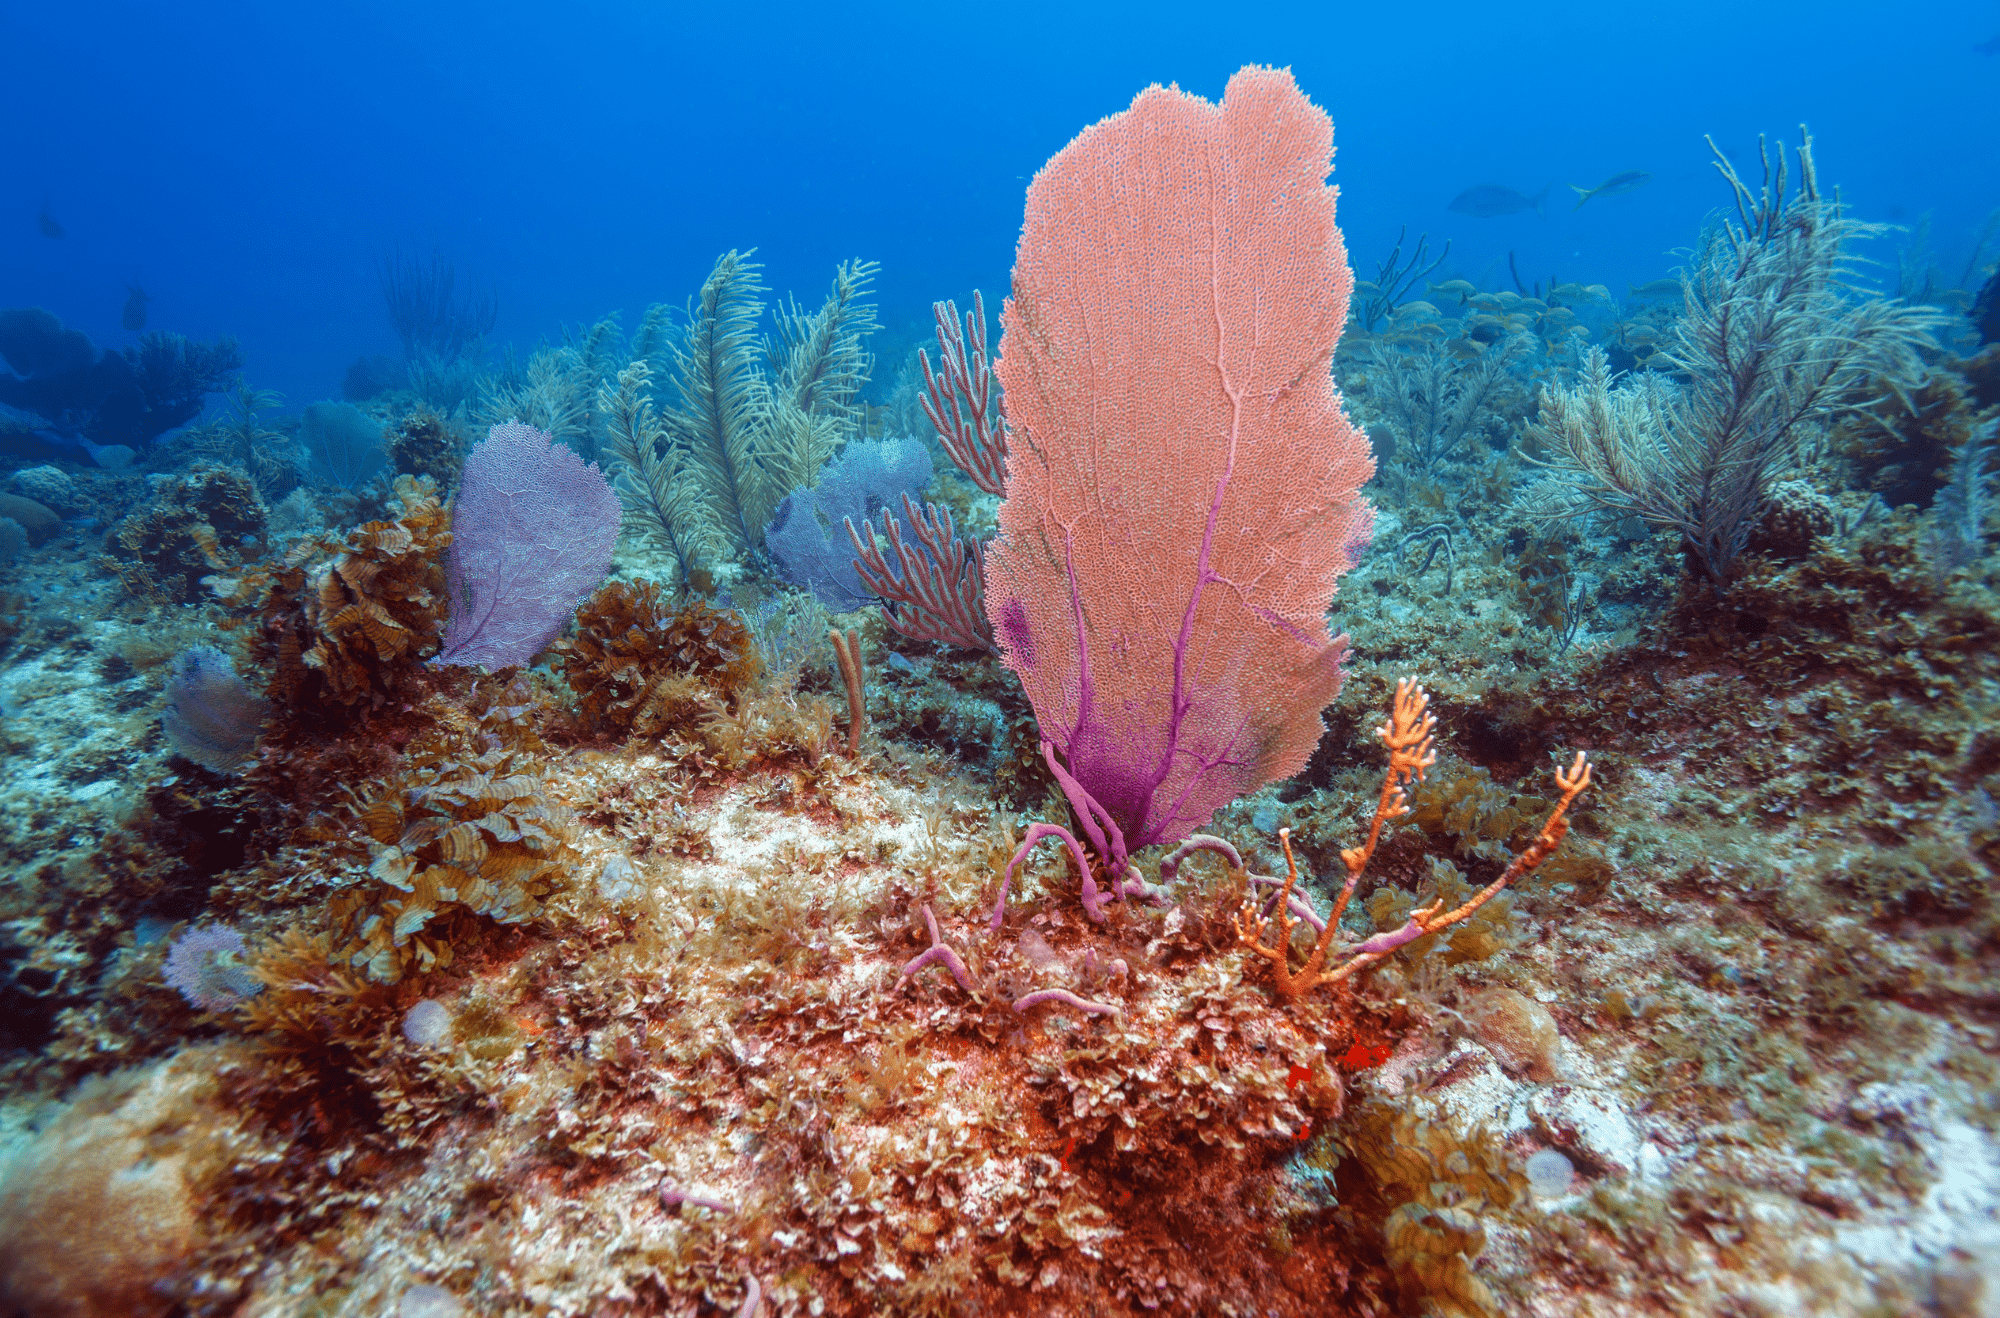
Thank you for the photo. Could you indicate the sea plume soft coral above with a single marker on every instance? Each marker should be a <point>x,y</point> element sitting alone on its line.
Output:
<point>1774,340</point>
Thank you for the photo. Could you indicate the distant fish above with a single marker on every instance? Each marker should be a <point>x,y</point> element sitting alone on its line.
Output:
<point>1990,46</point>
<point>1657,288</point>
<point>50,229</point>
<point>1484,201</point>
<point>1616,185</point>
<point>135,307</point>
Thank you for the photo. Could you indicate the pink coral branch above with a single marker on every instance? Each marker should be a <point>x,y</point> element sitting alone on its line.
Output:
<point>1170,864</point>
<point>1094,819</point>
<point>959,399</point>
<point>1134,885</point>
<point>1390,941</point>
<point>1295,902</point>
<point>940,593</point>
<point>672,1197</point>
<point>1036,832</point>
<point>939,952</point>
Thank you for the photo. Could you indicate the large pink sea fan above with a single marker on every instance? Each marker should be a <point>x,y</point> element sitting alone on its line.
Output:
<point>1183,487</point>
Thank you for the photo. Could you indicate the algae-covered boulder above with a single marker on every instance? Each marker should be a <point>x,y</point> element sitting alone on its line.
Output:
<point>101,1209</point>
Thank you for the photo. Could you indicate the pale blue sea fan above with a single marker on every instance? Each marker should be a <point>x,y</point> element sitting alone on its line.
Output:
<point>212,715</point>
<point>807,541</point>
<point>343,447</point>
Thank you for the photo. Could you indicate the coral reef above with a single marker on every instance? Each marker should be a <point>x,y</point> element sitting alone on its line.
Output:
<point>629,979</point>
<point>127,398</point>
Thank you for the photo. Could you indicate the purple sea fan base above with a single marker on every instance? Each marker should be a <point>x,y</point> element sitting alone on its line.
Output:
<point>207,966</point>
<point>532,531</point>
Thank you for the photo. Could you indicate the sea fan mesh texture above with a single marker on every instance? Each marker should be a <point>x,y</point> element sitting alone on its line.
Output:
<point>531,535</point>
<point>1183,486</point>
<point>212,715</point>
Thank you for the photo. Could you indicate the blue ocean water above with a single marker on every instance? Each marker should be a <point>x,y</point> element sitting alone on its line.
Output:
<point>249,165</point>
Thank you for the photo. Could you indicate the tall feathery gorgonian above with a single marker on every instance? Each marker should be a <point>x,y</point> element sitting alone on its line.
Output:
<point>1183,486</point>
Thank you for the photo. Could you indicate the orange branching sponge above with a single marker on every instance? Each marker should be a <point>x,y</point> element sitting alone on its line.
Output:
<point>1407,734</point>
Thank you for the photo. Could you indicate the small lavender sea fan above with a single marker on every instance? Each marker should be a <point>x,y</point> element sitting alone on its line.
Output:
<point>531,535</point>
<point>212,715</point>
<point>207,966</point>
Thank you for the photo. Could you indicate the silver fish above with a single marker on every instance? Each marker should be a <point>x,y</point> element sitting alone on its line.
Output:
<point>1484,201</point>
<point>1616,185</point>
